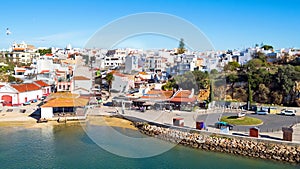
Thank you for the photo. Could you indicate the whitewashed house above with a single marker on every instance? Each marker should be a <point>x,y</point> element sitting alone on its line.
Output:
<point>17,94</point>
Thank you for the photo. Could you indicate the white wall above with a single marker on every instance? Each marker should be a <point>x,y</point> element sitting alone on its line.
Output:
<point>46,112</point>
<point>85,84</point>
<point>30,95</point>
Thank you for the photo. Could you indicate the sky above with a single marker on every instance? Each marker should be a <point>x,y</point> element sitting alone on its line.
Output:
<point>228,24</point>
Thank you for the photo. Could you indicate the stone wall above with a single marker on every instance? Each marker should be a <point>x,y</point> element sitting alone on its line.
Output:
<point>250,147</point>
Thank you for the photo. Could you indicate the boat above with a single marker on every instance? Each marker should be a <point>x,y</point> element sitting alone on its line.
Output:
<point>42,120</point>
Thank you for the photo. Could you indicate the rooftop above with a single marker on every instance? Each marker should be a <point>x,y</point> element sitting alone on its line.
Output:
<point>25,87</point>
<point>41,83</point>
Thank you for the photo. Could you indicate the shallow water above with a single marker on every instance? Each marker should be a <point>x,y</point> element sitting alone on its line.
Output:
<point>77,146</point>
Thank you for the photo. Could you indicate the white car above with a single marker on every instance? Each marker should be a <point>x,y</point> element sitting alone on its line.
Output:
<point>262,112</point>
<point>288,112</point>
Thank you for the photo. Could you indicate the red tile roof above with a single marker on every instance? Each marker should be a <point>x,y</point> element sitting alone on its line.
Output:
<point>158,95</point>
<point>183,94</point>
<point>41,83</point>
<point>180,100</point>
<point>44,71</point>
<point>18,49</point>
<point>80,78</point>
<point>25,87</point>
<point>20,70</point>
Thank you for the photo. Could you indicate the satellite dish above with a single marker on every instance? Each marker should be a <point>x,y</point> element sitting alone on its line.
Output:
<point>8,31</point>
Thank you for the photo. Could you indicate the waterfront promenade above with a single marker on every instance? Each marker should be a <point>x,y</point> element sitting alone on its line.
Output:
<point>22,115</point>
<point>190,118</point>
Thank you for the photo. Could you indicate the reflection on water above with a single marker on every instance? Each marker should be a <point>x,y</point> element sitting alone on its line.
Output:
<point>68,146</point>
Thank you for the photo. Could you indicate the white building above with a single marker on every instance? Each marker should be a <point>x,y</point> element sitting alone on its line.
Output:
<point>23,53</point>
<point>17,94</point>
<point>131,63</point>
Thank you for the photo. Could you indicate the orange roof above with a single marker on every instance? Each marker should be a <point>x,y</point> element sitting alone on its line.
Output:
<point>1,86</point>
<point>60,71</point>
<point>186,100</point>
<point>41,83</point>
<point>20,70</point>
<point>80,78</point>
<point>25,87</point>
<point>48,54</point>
<point>62,95</point>
<point>158,94</point>
<point>143,73</point>
<point>44,71</point>
<point>66,102</point>
<point>18,49</point>
<point>183,94</point>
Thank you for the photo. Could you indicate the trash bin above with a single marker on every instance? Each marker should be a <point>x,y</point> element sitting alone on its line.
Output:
<point>253,132</point>
<point>200,125</point>
<point>178,121</point>
<point>287,133</point>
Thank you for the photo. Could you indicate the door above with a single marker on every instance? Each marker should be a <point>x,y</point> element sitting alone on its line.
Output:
<point>7,100</point>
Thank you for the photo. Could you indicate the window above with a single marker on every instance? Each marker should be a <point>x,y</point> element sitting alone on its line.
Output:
<point>59,86</point>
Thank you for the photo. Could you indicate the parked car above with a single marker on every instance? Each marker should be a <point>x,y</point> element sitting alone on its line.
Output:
<point>222,123</point>
<point>43,98</point>
<point>34,100</point>
<point>26,103</point>
<point>262,112</point>
<point>288,112</point>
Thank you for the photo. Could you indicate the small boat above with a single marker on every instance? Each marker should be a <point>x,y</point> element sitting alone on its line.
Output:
<point>42,120</point>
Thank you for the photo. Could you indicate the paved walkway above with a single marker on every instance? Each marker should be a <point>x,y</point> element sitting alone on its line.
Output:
<point>190,118</point>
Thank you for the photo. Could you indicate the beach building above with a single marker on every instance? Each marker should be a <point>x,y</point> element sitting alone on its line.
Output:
<point>63,104</point>
<point>18,94</point>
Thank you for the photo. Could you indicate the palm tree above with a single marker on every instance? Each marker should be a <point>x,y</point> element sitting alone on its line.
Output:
<point>109,78</point>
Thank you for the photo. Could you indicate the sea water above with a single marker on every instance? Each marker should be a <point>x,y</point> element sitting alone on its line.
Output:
<point>71,146</point>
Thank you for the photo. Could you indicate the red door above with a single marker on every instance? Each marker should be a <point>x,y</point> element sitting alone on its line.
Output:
<point>7,100</point>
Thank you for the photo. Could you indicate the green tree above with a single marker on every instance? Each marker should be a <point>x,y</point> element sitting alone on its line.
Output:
<point>211,91</point>
<point>44,51</point>
<point>231,66</point>
<point>232,79</point>
<point>109,78</point>
<point>250,94</point>
<point>254,64</point>
<point>276,97</point>
<point>267,47</point>
<point>285,79</point>
<point>201,78</point>
<point>181,48</point>
<point>214,72</point>
<point>171,83</point>
<point>263,94</point>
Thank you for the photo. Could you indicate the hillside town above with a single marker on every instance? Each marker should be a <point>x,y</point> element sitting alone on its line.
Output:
<point>29,73</point>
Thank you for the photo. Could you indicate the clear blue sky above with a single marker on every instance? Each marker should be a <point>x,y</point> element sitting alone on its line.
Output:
<point>229,24</point>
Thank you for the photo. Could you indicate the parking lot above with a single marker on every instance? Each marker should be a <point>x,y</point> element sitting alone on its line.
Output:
<point>271,122</point>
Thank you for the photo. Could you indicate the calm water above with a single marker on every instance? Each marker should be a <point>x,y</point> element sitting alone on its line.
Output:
<point>68,146</point>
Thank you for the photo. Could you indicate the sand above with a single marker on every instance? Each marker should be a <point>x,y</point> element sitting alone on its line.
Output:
<point>16,119</point>
<point>110,121</point>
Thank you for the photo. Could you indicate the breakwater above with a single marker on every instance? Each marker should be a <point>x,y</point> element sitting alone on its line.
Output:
<point>250,147</point>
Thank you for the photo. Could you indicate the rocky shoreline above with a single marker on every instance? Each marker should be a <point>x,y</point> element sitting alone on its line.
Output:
<point>220,143</point>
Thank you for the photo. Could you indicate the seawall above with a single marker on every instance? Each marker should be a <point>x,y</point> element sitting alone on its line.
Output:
<point>250,147</point>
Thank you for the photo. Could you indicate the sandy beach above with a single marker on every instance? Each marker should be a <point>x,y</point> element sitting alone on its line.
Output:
<point>15,119</point>
<point>110,121</point>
